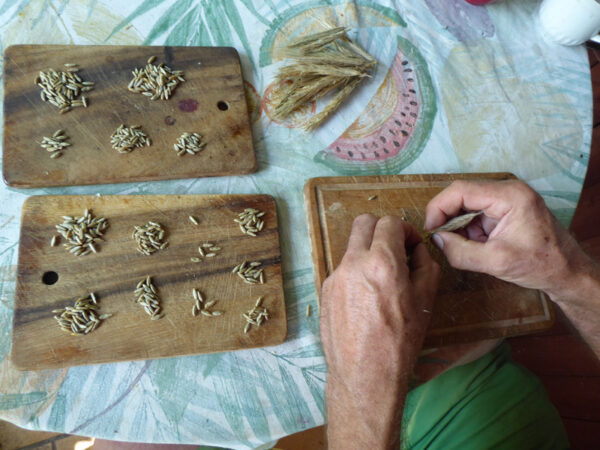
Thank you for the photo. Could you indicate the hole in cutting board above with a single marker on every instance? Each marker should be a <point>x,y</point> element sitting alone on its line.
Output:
<point>49,277</point>
<point>223,106</point>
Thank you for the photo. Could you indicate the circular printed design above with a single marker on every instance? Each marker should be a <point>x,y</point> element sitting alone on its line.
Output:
<point>394,127</point>
<point>253,101</point>
<point>295,120</point>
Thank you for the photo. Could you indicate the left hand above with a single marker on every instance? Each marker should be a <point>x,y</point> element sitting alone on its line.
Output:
<point>375,310</point>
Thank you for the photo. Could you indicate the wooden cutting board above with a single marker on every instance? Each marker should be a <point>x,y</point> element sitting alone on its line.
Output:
<point>210,102</point>
<point>113,273</point>
<point>469,306</point>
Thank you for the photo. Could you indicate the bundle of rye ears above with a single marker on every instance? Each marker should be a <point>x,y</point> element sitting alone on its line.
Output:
<point>321,63</point>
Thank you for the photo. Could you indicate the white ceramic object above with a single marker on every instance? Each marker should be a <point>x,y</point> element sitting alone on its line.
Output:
<point>570,22</point>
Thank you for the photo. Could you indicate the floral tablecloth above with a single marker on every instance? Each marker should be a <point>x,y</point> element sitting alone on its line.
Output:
<point>458,89</point>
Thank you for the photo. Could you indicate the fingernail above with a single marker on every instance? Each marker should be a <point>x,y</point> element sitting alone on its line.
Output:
<point>438,241</point>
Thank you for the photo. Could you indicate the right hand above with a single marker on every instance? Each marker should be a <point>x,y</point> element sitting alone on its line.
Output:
<point>517,239</point>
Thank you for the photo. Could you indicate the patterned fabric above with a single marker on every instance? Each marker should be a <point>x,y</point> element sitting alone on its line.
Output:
<point>459,88</point>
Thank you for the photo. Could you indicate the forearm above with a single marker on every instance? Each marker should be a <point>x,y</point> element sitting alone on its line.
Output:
<point>372,328</point>
<point>354,423</point>
<point>580,301</point>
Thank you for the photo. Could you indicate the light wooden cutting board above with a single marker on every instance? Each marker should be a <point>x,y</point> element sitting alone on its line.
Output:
<point>210,102</point>
<point>112,274</point>
<point>469,306</point>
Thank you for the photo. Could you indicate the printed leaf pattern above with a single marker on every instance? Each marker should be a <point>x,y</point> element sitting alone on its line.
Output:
<point>13,401</point>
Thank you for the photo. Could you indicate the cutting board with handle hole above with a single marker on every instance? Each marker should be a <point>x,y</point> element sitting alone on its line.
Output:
<point>49,278</point>
<point>210,102</point>
<point>469,306</point>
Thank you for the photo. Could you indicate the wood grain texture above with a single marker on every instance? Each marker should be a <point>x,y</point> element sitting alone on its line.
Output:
<point>212,74</point>
<point>469,306</point>
<point>112,274</point>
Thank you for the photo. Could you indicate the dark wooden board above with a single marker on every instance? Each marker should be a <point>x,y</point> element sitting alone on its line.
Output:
<point>113,272</point>
<point>213,78</point>
<point>469,306</point>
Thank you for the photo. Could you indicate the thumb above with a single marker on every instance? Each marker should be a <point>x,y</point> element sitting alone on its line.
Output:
<point>463,253</point>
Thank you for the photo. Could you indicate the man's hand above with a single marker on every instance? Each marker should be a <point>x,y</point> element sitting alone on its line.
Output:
<point>519,240</point>
<point>375,309</point>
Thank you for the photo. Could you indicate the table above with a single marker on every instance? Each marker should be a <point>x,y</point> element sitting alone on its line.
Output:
<point>493,97</point>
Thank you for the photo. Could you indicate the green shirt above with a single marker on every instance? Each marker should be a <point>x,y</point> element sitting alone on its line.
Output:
<point>491,402</point>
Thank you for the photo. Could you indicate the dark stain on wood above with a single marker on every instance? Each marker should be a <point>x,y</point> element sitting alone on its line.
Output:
<point>188,105</point>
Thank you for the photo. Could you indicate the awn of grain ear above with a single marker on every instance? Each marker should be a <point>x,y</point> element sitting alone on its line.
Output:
<point>323,62</point>
<point>457,222</point>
